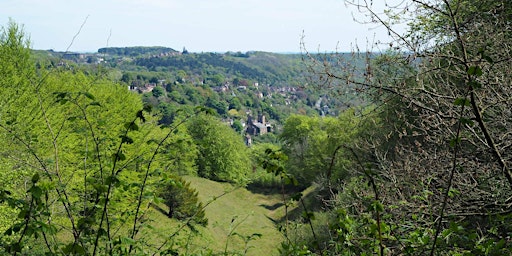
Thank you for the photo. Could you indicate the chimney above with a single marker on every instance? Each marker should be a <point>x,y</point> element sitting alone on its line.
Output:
<point>262,119</point>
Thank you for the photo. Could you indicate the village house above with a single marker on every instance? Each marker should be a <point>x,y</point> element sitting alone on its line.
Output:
<point>142,89</point>
<point>257,127</point>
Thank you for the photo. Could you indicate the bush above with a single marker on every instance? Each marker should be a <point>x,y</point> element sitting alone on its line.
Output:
<point>183,202</point>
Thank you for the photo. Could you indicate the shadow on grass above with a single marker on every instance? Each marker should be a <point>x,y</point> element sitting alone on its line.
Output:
<point>272,207</point>
<point>160,209</point>
<point>274,189</point>
<point>313,202</point>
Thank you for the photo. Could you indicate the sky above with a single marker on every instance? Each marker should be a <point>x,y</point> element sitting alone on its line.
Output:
<point>197,25</point>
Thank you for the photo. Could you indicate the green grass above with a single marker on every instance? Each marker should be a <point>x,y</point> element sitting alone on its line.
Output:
<point>233,213</point>
<point>230,210</point>
<point>242,212</point>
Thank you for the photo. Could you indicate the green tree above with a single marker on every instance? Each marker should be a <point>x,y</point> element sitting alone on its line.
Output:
<point>168,112</point>
<point>180,153</point>
<point>181,76</point>
<point>222,152</point>
<point>177,97</point>
<point>154,80</point>
<point>219,105</point>
<point>182,201</point>
<point>195,95</point>
<point>217,80</point>
<point>16,71</point>
<point>158,91</point>
<point>237,125</point>
<point>316,146</point>
<point>234,103</point>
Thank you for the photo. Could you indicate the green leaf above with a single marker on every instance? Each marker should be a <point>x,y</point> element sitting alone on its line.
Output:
<point>475,85</point>
<point>61,95</point>
<point>152,141</point>
<point>94,103</point>
<point>36,191</point>
<point>100,188</point>
<point>377,206</point>
<point>126,139</point>
<point>484,56</point>
<point>297,196</point>
<point>454,142</point>
<point>48,229</point>
<point>73,248</point>
<point>127,240</point>
<point>488,59</point>
<point>29,230</point>
<point>112,180</point>
<point>287,180</point>
<point>453,192</point>
<point>466,121</point>
<point>308,215</point>
<point>140,115</point>
<point>461,102</point>
<point>8,232</point>
<point>475,71</point>
<point>147,108</point>
<point>118,156</point>
<point>131,126</point>
<point>293,180</point>
<point>17,227</point>
<point>35,178</point>
<point>21,215</point>
<point>89,95</point>
<point>256,235</point>
<point>16,247</point>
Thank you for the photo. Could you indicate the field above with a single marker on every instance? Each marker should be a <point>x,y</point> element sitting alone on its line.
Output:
<point>239,221</point>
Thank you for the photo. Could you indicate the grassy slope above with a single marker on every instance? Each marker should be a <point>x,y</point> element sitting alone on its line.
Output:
<point>228,207</point>
<point>242,209</point>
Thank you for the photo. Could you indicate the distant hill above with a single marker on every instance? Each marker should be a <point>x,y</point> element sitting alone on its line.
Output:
<point>136,51</point>
<point>235,84</point>
<point>269,68</point>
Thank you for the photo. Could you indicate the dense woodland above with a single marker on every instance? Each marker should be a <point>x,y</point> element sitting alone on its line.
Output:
<point>148,150</point>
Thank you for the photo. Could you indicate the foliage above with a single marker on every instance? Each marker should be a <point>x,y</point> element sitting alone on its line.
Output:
<point>316,146</point>
<point>179,153</point>
<point>182,201</point>
<point>237,126</point>
<point>256,66</point>
<point>220,106</point>
<point>158,91</point>
<point>436,163</point>
<point>223,155</point>
<point>135,51</point>
<point>424,169</point>
<point>80,159</point>
<point>260,179</point>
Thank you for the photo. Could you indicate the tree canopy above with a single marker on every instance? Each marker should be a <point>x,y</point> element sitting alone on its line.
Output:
<point>222,153</point>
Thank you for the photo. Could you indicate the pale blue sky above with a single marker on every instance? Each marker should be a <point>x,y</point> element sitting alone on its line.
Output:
<point>198,25</point>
